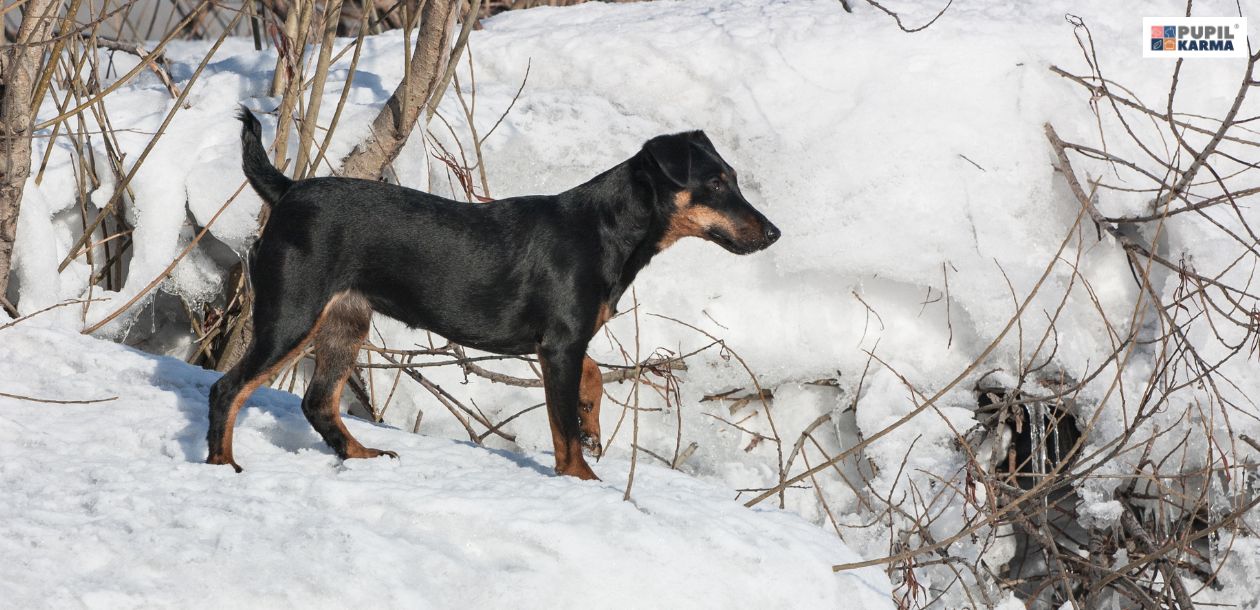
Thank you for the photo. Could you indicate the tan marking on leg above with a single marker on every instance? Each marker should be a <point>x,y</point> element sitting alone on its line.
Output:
<point>569,459</point>
<point>354,449</point>
<point>224,456</point>
<point>557,439</point>
<point>336,346</point>
<point>591,394</point>
<point>601,318</point>
<point>577,466</point>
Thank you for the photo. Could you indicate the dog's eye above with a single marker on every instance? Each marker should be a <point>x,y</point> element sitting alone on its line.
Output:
<point>716,184</point>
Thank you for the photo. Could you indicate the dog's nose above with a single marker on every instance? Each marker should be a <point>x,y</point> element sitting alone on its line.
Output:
<point>772,233</point>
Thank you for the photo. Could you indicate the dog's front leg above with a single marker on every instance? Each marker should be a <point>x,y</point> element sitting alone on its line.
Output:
<point>562,379</point>
<point>590,395</point>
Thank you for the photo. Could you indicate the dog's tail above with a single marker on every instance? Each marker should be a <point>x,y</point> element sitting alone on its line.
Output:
<point>270,184</point>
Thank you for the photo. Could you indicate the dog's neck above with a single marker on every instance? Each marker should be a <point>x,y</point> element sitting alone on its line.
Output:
<point>630,222</point>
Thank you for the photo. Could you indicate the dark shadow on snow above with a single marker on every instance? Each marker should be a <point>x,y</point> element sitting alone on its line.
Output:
<point>287,427</point>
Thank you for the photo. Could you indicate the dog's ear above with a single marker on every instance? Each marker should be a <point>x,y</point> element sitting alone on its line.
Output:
<point>673,155</point>
<point>700,138</point>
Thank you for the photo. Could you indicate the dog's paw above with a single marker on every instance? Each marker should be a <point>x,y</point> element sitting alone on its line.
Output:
<point>580,470</point>
<point>368,452</point>
<point>222,461</point>
<point>591,446</point>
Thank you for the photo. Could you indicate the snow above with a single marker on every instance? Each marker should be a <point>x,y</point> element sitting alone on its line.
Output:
<point>910,176</point>
<point>107,505</point>
<point>1103,514</point>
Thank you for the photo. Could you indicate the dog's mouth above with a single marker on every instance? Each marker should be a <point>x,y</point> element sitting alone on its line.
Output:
<point>732,245</point>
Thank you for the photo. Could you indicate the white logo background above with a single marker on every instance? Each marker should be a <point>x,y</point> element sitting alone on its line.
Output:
<point>1237,27</point>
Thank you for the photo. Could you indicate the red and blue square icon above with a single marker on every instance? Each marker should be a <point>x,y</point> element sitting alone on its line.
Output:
<point>1163,38</point>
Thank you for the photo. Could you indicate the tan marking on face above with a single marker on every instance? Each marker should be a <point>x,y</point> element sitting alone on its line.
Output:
<point>750,229</point>
<point>691,220</point>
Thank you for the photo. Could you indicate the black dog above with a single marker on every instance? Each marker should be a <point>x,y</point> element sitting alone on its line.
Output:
<point>517,276</point>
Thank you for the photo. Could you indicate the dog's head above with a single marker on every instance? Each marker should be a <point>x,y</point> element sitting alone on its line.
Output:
<point>699,195</point>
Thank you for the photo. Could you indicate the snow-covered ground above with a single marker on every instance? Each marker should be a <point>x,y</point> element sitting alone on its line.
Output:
<point>108,505</point>
<point>909,173</point>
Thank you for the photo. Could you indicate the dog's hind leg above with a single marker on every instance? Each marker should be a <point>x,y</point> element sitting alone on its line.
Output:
<point>275,342</point>
<point>345,324</point>
<point>589,397</point>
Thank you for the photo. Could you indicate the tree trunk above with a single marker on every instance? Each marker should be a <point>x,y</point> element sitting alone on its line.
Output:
<point>307,132</point>
<point>17,113</point>
<point>394,123</point>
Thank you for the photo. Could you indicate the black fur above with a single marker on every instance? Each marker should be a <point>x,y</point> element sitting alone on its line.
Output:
<point>517,276</point>
<point>270,184</point>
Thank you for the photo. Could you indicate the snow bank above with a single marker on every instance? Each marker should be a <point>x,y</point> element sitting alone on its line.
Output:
<point>107,505</point>
<point>909,174</point>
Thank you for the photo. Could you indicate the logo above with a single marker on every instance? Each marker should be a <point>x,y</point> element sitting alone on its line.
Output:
<point>1194,37</point>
